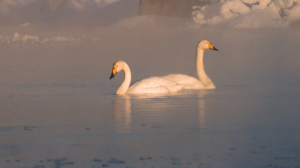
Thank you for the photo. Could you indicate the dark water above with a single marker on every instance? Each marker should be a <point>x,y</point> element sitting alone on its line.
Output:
<point>59,109</point>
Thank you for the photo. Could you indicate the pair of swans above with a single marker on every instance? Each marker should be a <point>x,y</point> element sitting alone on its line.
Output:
<point>166,84</point>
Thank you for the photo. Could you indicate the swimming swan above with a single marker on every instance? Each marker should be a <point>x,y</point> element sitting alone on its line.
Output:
<point>152,85</point>
<point>203,81</point>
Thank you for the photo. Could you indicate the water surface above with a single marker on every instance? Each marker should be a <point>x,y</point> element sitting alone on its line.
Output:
<point>59,108</point>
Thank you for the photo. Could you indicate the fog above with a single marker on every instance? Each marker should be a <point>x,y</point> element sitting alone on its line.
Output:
<point>59,108</point>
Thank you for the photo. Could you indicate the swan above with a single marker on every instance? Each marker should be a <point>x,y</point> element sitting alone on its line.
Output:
<point>152,85</point>
<point>203,81</point>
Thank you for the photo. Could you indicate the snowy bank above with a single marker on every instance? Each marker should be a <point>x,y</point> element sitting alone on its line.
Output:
<point>79,14</point>
<point>16,37</point>
<point>249,14</point>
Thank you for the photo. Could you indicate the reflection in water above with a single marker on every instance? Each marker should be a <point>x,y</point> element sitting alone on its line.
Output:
<point>162,109</point>
<point>122,113</point>
<point>201,108</point>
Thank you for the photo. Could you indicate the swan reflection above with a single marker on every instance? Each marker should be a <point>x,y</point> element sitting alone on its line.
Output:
<point>162,110</point>
<point>122,113</point>
<point>201,107</point>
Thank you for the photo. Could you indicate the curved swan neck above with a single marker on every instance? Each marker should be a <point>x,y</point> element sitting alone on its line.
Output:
<point>204,79</point>
<point>125,85</point>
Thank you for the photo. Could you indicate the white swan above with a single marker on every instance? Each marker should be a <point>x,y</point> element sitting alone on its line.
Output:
<point>152,85</point>
<point>203,81</point>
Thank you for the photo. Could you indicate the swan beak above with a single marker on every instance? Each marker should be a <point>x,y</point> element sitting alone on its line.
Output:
<point>210,46</point>
<point>114,71</point>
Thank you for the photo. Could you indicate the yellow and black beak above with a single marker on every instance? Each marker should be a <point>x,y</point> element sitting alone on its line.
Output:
<point>114,71</point>
<point>210,46</point>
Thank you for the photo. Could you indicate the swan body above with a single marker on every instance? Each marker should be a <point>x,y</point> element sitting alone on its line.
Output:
<point>155,85</point>
<point>203,81</point>
<point>189,81</point>
<point>166,84</point>
<point>152,85</point>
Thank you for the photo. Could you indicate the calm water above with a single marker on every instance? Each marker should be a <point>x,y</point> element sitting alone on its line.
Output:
<point>59,109</point>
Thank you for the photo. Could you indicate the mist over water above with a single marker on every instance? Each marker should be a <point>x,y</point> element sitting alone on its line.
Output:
<point>59,108</point>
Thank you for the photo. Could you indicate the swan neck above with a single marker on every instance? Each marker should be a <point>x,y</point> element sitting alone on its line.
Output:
<point>126,83</point>
<point>204,79</point>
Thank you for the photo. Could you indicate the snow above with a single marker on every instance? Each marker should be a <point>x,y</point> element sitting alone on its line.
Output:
<point>261,19</point>
<point>294,14</point>
<point>225,14</point>
<point>16,37</point>
<point>249,14</point>
<point>64,21</point>
<point>33,20</point>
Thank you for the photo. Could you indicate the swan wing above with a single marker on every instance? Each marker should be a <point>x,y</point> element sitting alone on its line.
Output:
<point>189,81</point>
<point>154,85</point>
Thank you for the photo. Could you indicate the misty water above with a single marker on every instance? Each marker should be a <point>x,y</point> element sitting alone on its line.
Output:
<point>59,108</point>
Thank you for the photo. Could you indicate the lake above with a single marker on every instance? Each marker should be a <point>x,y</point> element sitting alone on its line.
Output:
<point>59,108</point>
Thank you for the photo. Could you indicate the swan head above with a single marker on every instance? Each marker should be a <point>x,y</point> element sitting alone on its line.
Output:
<point>204,45</point>
<point>117,67</point>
